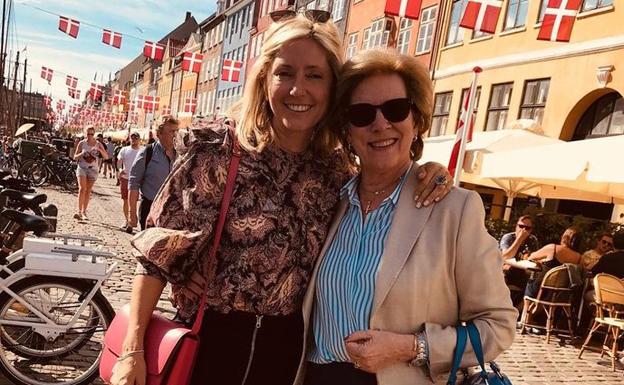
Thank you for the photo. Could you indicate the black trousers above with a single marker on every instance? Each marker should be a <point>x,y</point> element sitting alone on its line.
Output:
<point>337,373</point>
<point>227,349</point>
<point>144,209</point>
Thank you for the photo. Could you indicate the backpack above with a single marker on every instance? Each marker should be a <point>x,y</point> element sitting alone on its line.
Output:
<point>149,151</point>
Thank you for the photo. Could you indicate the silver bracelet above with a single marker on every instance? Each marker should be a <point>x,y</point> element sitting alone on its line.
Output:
<point>422,350</point>
<point>129,354</point>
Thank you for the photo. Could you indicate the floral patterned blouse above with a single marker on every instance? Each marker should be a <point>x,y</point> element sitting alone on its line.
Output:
<point>281,209</point>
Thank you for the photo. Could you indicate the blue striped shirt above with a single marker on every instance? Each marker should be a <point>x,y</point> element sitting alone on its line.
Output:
<point>345,284</point>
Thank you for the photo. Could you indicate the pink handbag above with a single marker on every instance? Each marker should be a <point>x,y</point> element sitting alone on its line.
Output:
<point>170,347</point>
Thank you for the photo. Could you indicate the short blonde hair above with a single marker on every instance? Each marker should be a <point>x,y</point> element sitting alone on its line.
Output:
<point>378,62</point>
<point>254,122</point>
<point>166,120</point>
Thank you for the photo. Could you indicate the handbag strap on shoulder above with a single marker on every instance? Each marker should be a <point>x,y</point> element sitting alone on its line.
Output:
<point>225,204</point>
<point>458,354</point>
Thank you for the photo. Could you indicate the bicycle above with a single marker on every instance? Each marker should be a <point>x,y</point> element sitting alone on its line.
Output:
<point>49,166</point>
<point>53,314</point>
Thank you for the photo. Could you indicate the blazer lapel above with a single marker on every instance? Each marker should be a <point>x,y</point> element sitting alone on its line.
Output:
<point>407,225</point>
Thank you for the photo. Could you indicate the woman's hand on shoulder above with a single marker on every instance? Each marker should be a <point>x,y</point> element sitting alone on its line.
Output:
<point>130,371</point>
<point>373,350</point>
<point>435,183</point>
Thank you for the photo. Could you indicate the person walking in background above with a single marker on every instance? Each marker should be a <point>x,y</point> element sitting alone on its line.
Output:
<point>87,152</point>
<point>150,169</point>
<point>118,146</point>
<point>604,244</point>
<point>108,162</point>
<point>126,158</point>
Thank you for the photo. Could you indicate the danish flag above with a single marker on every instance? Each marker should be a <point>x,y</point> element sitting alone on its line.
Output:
<point>153,50</point>
<point>559,19</point>
<point>73,93</point>
<point>409,9</point>
<point>69,26</point>
<point>166,110</point>
<point>192,62</point>
<point>119,97</point>
<point>190,104</point>
<point>467,119</point>
<point>111,38</point>
<point>46,74</point>
<point>60,105</point>
<point>47,101</point>
<point>231,70</point>
<point>95,92</point>
<point>140,99</point>
<point>71,81</point>
<point>151,103</point>
<point>481,15</point>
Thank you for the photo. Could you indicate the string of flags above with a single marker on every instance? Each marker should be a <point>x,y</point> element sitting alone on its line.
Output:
<point>483,15</point>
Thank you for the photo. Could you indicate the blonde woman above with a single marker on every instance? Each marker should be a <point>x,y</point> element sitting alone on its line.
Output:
<point>87,152</point>
<point>288,184</point>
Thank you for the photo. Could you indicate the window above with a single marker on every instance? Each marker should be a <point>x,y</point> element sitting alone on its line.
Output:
<point>590,5</point>
<point>366,38</point>
<point>379,33</point>
<point>441,110</point>
<point>455,32</point>
<point>475,107</point>
<point>405,33</point>
<point>425,31</point>
<point>603,118</point>
<point>542,10</point>
<point>499,106</point>
<point>352,46</point>
<point>516,13</point>
<point>534,99</point>
<point>338,9</point>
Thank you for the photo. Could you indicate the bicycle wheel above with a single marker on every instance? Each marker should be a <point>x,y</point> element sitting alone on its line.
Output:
<point>72,357</point>
<point>70,180</point>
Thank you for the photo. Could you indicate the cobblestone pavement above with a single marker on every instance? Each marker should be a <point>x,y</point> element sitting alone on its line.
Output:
<point>530,361</point>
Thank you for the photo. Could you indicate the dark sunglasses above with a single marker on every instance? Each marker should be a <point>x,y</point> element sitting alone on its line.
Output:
<point>524,226</point>
<point>316,15</point>
<point>394,110</point>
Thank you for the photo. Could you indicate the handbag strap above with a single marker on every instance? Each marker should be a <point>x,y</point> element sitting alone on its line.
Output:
<point>475,341</point>
<point>225,204</point>
<point>459,352</point>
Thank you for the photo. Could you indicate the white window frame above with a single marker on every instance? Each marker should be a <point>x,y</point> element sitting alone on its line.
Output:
<point>426,29</point>
<point>405,35</point>
<point>352,44</point>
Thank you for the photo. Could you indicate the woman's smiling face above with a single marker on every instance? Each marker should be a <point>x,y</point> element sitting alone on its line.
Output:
<point>299,85</point>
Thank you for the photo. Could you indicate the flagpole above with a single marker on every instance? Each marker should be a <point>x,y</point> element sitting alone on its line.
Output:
<point>469,116</point>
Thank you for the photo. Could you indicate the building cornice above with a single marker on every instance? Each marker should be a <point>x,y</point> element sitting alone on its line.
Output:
<point>564,51</point>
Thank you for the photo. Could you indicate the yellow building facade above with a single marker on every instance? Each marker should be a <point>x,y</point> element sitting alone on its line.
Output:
<point>560,86</point>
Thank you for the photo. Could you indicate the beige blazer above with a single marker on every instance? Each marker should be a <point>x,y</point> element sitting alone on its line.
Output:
<point>439,267</point>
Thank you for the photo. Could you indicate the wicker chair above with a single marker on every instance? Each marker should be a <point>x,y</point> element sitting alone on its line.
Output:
<point>609,304</point>
<point>555,293</point>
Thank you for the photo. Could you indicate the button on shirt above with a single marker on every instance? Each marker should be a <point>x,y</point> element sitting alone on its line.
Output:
<point>149,180</point>
<point>345,284</point>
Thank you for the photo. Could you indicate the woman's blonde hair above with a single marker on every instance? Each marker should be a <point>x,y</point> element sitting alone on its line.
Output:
<point>254,121</point>
<point>378,62</point>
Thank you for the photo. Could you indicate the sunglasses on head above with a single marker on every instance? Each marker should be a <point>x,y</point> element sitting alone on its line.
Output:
<point>316,15</point>
<point>520,225</point>
<point>394,110</point>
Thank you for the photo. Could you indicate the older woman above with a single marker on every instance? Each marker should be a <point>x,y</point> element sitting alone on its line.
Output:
<point>393,281</point>
<point>289,177</point>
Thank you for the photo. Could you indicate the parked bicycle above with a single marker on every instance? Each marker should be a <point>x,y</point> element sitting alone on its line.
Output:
<point>52,312</point>
<point>50,166</point>
<point>13,161</point>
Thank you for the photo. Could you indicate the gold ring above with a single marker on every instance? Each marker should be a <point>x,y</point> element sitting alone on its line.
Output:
<point>356,365</point>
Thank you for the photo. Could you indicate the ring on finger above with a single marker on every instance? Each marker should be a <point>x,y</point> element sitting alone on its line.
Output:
<point>440,180</point>
<point>356,365</point>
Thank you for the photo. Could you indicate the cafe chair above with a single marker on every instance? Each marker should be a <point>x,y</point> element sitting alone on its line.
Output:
<point>556,292</point>
<point>609,314</point>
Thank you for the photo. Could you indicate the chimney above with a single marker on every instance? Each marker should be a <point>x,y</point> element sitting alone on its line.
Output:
<point>188,16</point>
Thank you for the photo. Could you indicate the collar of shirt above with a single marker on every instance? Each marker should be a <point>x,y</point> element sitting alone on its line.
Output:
<point>350,189</point>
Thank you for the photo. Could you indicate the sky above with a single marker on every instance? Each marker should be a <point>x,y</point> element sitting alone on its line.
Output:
<point>45,45</point>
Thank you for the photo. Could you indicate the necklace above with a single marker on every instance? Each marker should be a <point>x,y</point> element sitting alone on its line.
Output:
<point>375,194</point>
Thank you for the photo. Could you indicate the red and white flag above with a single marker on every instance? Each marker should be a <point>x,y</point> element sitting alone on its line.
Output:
<point>140,101</point>
<point>111,38</point>
<point>71,81</point>
<point>47,101</point>
<point>150,103</point>
<point>166,110</point>
<point>119,97</point>
<point>409,9</point>
<point>69,26</point>
<point>73,93</point>
<point>231,70</point>
<point>154,51</point>
<point>95,92</point>
<point>559,18</point>
<point>481,15</point>
<point>132,105</point>
<point>60,105</point>
<point>192,62</point>
<point>46,74</point>
<point>190,104</point>
<point>464,130</point>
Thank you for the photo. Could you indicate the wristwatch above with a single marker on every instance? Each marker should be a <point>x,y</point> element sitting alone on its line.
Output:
<point>421,348</point>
